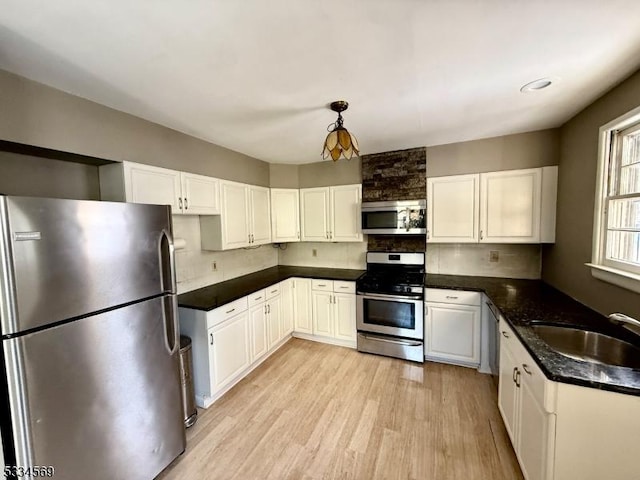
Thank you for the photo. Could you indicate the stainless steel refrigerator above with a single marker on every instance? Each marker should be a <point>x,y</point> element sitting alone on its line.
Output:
<point>90,379</point>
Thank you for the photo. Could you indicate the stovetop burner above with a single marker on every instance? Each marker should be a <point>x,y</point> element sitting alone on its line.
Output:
<point>393,273</point>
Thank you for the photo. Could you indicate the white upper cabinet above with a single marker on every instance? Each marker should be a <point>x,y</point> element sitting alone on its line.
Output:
<point>315,206</point>
<point>260,215</point>
<point>285,215</point>
<point>200,194</point>
<point>331,214</point>
<point>453,209</point>
<point>244,218</point>
<point>513,206</point>
<point>510,206</point>
<point>345,202</point>
<point>187,193</point>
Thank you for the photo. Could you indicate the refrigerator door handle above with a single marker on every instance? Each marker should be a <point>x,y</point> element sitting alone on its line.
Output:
<point>170,317</point>
<point>166,252</point>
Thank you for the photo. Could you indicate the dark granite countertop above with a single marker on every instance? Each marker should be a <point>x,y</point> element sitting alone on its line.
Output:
<point>215,296</point>
<point>525,301</point>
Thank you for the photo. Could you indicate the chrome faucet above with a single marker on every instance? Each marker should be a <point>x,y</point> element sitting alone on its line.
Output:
<point>621,318</point>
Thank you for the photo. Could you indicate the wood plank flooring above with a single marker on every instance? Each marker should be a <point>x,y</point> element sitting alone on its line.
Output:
<point>316,411</point>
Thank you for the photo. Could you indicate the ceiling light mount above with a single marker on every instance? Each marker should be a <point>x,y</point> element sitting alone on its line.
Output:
<point>339,142</point>
<point>537,85</point>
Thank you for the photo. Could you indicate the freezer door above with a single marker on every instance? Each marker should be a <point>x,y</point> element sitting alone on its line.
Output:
<point>99,398</point>
<point>62,259</point>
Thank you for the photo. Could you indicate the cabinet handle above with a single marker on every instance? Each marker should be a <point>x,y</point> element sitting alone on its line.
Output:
<point>232,310</point>
<point>326,234</point>
<point>253,239</point>
<point>274,291</point>
<point>268,308</point>
<point>258,298</point>
<point>211,339</point>
<point>322,285</point>
<point>481,236</point>
<point>428,236</point>
<point>518,379</point>
<point>180,203</point>
<point>330,234</point>
<point>186,203</point>
<point>513,376</point>
<point>344,287</point>
<point>265,309</point>
<point>525,367</point>
<point>298,234</point>
<point>452,297</point>
<point>505,334</point>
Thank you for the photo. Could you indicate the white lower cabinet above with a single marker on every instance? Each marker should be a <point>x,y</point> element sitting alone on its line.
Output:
<point>334,312</point>
<point>302,311</point>
<point>452,326</point>
<point>229,352</point>
<point>259,331</point>
<point>274,320</point>
<point>287,305</point>
<point>526,400</point>
<point>561,431</point>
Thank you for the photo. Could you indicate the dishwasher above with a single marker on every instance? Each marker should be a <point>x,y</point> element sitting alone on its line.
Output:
<point>494,339</point>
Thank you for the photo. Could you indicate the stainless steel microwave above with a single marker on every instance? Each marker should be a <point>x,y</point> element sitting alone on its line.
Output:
<point>393,218</point>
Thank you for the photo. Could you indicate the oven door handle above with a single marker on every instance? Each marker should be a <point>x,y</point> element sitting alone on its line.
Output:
<point>409,343</point>
<point>391,297</point>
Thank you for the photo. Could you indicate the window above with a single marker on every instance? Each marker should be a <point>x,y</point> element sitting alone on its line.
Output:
<point>616,252</point>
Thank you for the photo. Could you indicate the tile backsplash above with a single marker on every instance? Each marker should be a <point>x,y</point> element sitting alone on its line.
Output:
<point>514,261</point>
<point>329,255</point>
<point>194,266</point>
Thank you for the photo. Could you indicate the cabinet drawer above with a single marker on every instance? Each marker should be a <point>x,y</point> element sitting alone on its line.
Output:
<point>220,314</point>
<point>257,297</point>
<point>340,286</point>
<point>273,291</point>
<point>452,296</point>
<point>324,285</point>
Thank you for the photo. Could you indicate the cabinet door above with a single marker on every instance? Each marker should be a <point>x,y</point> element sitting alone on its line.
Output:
<point>508,391</point>
<point>158,186</point>
<point>229,352</point>
<point>322,306</point>
<point>302,312</point>
<point>287,299</point>
<point>234,215</point>
<point>258,330</point>
<point>260,215</point>
<point>274,318</point>
<point>200,194</point>
<point>285,215</point>
<point>510,206</point>
<point>345,316</point>
<point>345,224</point>
<point>453,332</point>
<point>314,221</point>
<point>453,209</point>
<point>536,430</point>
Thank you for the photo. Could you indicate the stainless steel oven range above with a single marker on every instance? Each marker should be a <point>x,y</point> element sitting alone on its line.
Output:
<point>390,305</point>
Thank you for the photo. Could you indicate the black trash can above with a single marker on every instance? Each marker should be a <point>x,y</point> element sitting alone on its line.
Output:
<point>189,411</point>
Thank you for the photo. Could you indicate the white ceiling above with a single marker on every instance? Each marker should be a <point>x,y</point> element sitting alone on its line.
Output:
<point>256,75</point>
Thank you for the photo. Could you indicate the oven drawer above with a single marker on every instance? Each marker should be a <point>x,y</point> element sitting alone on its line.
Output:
<point>452,296</point>
<point>323,285</point>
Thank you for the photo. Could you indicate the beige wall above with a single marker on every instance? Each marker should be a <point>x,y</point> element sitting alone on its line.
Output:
<point>327,173</point>
<point>509,152</point>
<point>35,114</point>
<point>41,177</point>
<point>563,263</point>
<point>283,176</point>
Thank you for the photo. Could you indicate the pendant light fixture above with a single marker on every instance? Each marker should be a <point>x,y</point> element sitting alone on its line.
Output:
<point>339,142</point>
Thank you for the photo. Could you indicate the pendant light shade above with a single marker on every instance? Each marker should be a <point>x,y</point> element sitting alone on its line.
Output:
<point>339,142</point>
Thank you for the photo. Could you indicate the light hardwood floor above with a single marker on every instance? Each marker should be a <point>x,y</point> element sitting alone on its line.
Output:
<point>316,411</point>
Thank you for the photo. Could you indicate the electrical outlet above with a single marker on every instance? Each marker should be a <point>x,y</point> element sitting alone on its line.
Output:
<point>494,255</point>
<point>214,266</point>
<point>314,253</point>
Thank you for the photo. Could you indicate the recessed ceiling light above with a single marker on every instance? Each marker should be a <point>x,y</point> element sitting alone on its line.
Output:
<point>536,85</point>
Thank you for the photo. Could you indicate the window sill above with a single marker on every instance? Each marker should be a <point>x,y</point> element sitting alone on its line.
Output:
<point>617,277</point>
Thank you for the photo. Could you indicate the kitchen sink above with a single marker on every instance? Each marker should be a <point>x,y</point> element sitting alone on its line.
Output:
<point>589,346</point>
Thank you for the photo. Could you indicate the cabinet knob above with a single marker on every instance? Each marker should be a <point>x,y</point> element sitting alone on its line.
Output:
<point>186,203</point>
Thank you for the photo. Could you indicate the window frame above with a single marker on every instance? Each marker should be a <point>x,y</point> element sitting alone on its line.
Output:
<point>610,271</point>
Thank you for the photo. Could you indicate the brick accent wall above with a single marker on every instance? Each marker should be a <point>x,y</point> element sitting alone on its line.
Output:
<point>398,175</point>
<point>396,243</point>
